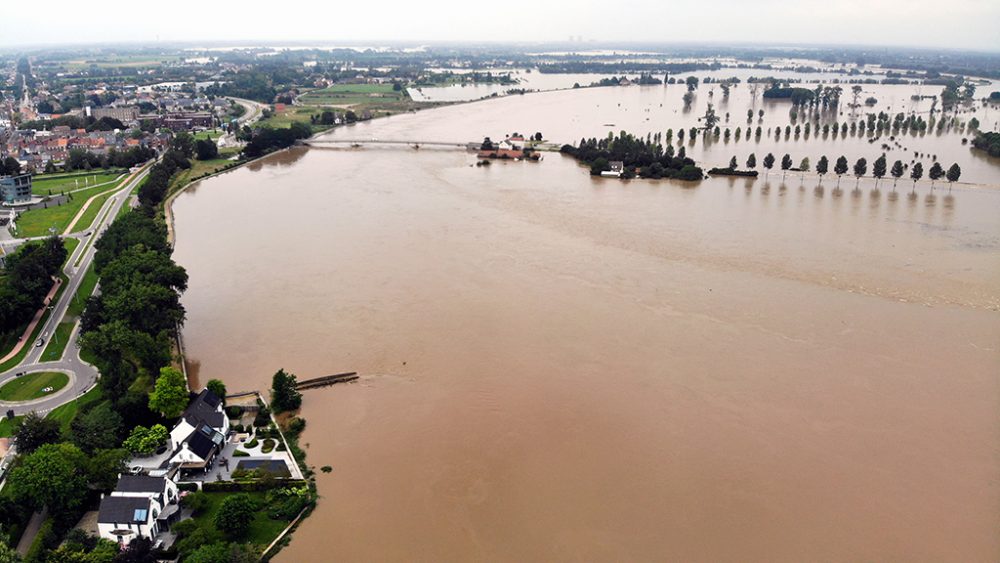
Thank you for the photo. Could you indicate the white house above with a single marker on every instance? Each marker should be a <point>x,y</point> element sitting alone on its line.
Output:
<point>617,167</point>
<point>205,409</point>
<point>140,506</point>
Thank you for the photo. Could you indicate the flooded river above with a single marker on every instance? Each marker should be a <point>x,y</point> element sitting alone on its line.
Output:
<point>562,368</point>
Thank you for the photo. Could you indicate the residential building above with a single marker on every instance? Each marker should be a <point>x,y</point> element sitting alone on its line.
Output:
<point>140,506</point>
<point>15,189</point>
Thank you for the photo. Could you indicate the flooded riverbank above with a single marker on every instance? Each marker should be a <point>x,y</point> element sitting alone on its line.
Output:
<point>557,367</point>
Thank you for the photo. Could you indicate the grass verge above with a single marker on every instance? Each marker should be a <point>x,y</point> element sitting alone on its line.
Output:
<point>57,344</point>
<point>64,414</point>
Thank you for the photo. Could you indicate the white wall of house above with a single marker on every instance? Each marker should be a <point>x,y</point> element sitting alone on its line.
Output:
<point>180,433</point>
<point>184,456</point>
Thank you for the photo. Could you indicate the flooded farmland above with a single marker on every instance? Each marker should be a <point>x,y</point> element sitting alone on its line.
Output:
<point>557,367</point>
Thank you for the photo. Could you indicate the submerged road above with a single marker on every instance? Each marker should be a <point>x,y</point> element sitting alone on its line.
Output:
<point>82,375</point>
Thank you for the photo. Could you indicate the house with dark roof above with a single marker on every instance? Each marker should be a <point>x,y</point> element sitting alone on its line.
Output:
<point>140,506</point>
<point>198,450</point>
<point>206,409</point>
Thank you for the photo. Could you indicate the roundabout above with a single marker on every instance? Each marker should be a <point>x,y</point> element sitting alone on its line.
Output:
<point>34,385</point>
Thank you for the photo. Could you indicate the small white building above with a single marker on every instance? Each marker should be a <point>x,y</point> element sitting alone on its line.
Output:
<point>617,167</point>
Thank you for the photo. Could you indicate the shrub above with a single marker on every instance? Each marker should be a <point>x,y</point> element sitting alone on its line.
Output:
<point>240,453</point>
<point>268,446</point>
<point>252,443</point>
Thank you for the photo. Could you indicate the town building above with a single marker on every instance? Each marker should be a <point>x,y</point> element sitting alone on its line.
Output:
<point>15,189</point>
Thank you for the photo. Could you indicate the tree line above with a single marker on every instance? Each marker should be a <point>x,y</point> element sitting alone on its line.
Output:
<point>266,139</point>
<point>880,168</point>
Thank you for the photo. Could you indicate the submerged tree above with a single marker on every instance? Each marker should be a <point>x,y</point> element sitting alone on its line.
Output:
<point>935,173</point>
<point>953,174</point>
<point>840,168</point>
<point>878,169</point>
<point>860,169</point>
<point>916,173</point>
<point>822,167</point>
<point>786,163</point>
<point>897,172</point>
<point>752,161</point>
<point>768,163</point>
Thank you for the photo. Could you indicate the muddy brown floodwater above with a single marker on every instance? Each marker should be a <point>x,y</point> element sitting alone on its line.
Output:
<point>562,368</point>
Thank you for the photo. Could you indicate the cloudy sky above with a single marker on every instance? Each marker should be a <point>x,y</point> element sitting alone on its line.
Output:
<point>969,24</point>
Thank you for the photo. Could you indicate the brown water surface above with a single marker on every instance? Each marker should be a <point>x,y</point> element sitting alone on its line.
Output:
<point>562,368</point>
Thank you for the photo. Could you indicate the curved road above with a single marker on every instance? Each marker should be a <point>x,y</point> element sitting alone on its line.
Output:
<point>82,375</point>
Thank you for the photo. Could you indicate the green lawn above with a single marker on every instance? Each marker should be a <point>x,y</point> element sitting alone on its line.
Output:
<point>353,94</point>
<point>7,426</point>
<point>37,222</point>
<point>65,413</point>
<point>57,344</point>
<point>212,134</point>
<point>85,290</point>
<point>48,184</point>
<point>33,385</point>
<point>202,167</point>
<point>263,530</point>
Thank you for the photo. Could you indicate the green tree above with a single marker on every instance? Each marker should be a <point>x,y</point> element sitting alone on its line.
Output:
<point>104,467</point>
<point>768,163</point>
<point>206,149</point>
<point>879,169</point>
<point>860,168</point>
<point>217,387</point>
<point>953,174</point>
<point>99,427</point>
<point>235,515</point>
<point>840,168</point>
<point>34,431</point>
<point>935,173</point>
<point>183,142</point>
<point>752,160</point>
<point>786,163</point>
<point>144,441</point>
<point>822,167</point>
<point>732,163</point>
<point>916,173</point>
<point>170,397</point>
<point>8,554</point>
<point>897,172</point>
<point>52,476</point>
<point>284,395</point>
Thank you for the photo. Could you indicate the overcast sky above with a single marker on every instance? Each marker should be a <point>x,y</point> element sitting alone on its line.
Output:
<point>973,24</point>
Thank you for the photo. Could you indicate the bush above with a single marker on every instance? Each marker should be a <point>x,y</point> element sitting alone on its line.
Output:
<point>252,443</point>
<point>297,425</point>
<point>240,453</point>
<point>197,502</point>
<point>268,446</point>
<point>263,417</point>
<point>187,486</point>
<point>287,509</point>
<point>234,412</point>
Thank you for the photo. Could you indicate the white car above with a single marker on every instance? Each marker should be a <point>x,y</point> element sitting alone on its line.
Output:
<point>39,342</point>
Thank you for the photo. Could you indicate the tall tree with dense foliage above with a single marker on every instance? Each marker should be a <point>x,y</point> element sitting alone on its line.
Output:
<point>768,163</point>
<point>916,173</point>
<point>284,395</point>
<point>786,163</point>
<point>217,387</point>
<point>860,169</point>
<point>53,477</point>
<point>953,174</point>
<point>235,515</point>
<point>840,168</point>
<point>170,395</point>
<point>144,441</point>
<point>822,167</point>
<point>879,169</point>
<point>935,173</point>
<point>897,172</point>
<point>752,161</point>
<point>34,431</point>
<point>97,428</point>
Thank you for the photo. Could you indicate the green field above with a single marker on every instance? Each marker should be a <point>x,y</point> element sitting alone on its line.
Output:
<point>57,344</point>
<point>48,184</point>
<point>36,223</point>
<point>33,385</point>
<point>352,94</point>
<point>65,413</point>
<point>202,167</point>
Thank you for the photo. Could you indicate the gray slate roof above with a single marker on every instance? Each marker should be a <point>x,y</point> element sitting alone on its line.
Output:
<point>124,510</point>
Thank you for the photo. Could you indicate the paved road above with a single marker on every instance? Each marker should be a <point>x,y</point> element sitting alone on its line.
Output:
<point>254,111</point>
<point>82,375</point>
